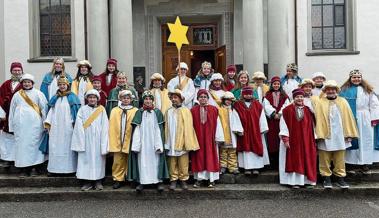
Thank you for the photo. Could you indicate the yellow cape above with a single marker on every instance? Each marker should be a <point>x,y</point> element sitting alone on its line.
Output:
<point>185,138</point>
<point>115,140</point>
<point>223,113</point>
<point>322,118</point>
<point>75,86</point>
<point>166,103</point>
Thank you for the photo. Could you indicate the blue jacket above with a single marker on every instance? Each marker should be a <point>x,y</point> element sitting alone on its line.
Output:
<point>47,79</point>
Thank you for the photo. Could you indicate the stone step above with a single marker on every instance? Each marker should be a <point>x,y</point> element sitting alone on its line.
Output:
<point>222,191</point>
<point>267,177</point>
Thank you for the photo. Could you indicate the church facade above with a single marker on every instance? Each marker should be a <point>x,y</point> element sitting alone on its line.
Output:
<point>331,36</point>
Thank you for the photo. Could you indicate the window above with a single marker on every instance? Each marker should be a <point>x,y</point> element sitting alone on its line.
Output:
<point>328,21</point>
<point>54,28</point>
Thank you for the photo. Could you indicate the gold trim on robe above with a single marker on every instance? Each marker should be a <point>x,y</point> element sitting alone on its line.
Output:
<point>93,116</point>
<point>30,102</point>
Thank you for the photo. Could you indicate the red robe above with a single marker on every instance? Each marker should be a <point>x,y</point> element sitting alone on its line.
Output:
<point>251,141</point>
<point>6,95</point>
<point>228,86</point>
<point>107,88</point>
<point>301,156</point>
<point>103,98</point>
<point>206,158</point>
<point>273,139</point>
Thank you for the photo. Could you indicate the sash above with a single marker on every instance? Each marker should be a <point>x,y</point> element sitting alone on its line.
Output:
<point>183,83</point>
<point>93,116</point>
<point>225,122</point>
<point>215,97</point>
<point>30,102</point>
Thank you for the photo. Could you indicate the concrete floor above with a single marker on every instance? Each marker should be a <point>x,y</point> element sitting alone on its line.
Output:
<point>320,207</point>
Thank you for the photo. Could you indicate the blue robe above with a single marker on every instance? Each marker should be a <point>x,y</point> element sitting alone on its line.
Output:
<point>47,80</point>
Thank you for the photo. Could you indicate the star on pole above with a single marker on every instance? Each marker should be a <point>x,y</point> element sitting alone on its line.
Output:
<point>178,33</point>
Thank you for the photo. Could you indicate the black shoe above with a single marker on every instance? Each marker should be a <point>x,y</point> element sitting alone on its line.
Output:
<point>197,184</point>
<point>117,185</point>
<point>247,172</point>
<point>160,187</point>
<point>223,170</point>
<point>23,174</point>
<point>211,185</point>
<point>184,185</point>
<point>34,172</point>
<point>139,188</point>
<point>341,183</point>
<point>87,187</point>
<point>235,172</point>
<point>172,185</point>
<point>327,183</point>
<point>99,185</point>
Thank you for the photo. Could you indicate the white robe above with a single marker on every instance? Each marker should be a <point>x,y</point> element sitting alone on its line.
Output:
<point>269,109</point>
<point>316,91</point>
<point>308,103</point>
<point>235,127</point>
<point>91,144</point>
<point>367,111</point>
<point>7,141</point>
<point>289,86</point>
<point>28,129</point>
<point>218,93</point>
<point>53,87</point>
<point>82,88</point>
<point>147,142</point>
<point>61,158</point>
<point>206,175</point>
<point>336,142</point>
<point>288,178</point>
<point>172,115</point>
<point>188,91</point>
<point>249,160</point>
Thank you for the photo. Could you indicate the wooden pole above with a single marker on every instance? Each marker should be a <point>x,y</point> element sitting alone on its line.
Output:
<point>180,80</point>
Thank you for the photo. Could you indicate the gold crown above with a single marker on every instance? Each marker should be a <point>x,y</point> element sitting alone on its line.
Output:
<point>63,79</point>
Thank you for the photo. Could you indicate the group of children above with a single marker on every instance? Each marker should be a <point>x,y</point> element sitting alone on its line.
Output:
<point>211,125</point>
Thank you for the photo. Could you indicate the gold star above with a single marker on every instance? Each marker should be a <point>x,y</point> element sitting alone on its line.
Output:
<point>178,33</point>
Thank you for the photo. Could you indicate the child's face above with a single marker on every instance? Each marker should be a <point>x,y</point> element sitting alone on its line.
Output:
<point>307,88</point>
<point>231,74</point>
<point>228,102</point>
<point>92,100</point>
<point>125,100</point>
<point>148,102</point>
<point>203,99</point>
<point>27,84</point>
<point>356,80</point>
<point>217,83</point>
<point>258,81</point>
<point>111,68</point>
<point>299,99</point>
<point>176,100</point>
<point>248,97</point>
<point>276,85</point>
<point>58,66</point>
<point>290,73</point>
<point>84,70</point>
<point>62,87</point>
<point>318,81</point>
<point>121,80</point>
<point>96,85</point>
<point>244,79</point>
<point>206,70</point>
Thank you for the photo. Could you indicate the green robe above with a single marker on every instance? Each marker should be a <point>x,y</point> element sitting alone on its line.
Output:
<point>133,172</point>
<point>112,101</point>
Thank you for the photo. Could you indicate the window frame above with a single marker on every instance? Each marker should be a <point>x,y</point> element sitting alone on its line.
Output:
<point>350,32</point>
<point>35,40</point>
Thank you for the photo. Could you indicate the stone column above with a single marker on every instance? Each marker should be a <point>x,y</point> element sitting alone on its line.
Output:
<point>281,35</point>
<point>252,15</point>
<point>98,37</point>
<point>122,35</point>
